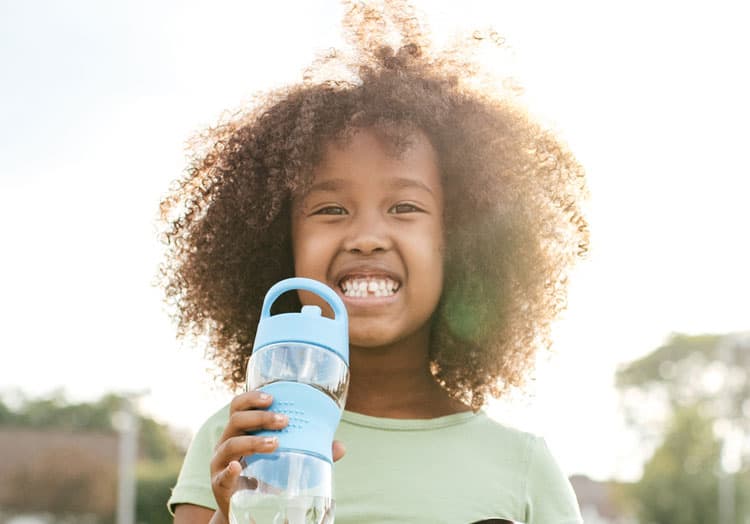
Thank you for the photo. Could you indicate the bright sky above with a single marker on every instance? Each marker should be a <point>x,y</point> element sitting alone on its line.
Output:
<point>98,98</point>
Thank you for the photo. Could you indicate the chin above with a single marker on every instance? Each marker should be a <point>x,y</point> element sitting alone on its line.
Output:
<point>370,338</point>
<point>368,342</point>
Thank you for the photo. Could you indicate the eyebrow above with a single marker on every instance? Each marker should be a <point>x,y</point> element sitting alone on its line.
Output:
<point>402,183</point>
<point>332,184</point>
<point>335,184</point>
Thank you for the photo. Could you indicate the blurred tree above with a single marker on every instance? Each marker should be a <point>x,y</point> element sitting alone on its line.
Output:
<point>708,370</point>
<point>157,443</point>
<point>155,440</point>
<point>93,489</point>
<point>686,399</point>
<point>155,483</point>
<point>679,482</point>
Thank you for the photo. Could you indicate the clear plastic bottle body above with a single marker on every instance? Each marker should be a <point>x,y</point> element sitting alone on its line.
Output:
<point>300,362</point>
<point>290,486</point>
<point>286,487</point>
<point>247,507</point>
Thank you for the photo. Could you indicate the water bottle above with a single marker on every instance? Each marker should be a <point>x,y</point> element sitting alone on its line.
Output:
<point>302,360</point>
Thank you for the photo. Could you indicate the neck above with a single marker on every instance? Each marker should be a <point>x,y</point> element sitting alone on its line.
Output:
<point>394,381</point>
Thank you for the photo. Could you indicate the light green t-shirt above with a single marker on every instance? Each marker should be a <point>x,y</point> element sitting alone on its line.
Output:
<point>458,469</point>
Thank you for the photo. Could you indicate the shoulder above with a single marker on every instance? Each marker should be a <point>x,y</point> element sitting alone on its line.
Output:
<point>218,419</point>
<point>525,453</point>
<point>547,492</point>
<point>516,442</point>
<point>529,449</point>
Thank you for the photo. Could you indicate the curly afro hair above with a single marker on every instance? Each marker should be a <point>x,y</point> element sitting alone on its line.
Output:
<point>513,220</point>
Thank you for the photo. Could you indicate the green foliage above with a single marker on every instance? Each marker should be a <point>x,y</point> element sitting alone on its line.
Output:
<point>6,415</point>
<point>712,370</point>
<point>155,483</point>
<point>742,490</point>
<point>679,483</point>
<point>155,442</point>
<point>652,367</point>
<point>681,393</point>
<point>56,412</point>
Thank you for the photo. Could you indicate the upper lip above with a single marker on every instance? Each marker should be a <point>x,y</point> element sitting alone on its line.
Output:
<point>366,271</point>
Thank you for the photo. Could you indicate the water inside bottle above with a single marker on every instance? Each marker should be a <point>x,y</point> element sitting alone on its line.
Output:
<point>251,507</point>
<point>297,362</point>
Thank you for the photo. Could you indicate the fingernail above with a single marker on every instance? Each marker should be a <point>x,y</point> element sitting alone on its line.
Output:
<point>279,418</point>
<point>270,441</point>
<point>265,396</point>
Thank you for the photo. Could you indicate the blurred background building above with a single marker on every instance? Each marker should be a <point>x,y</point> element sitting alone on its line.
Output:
<point>59,463</point>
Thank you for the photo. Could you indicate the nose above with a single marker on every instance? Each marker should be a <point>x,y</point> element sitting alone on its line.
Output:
<point>368,233</point>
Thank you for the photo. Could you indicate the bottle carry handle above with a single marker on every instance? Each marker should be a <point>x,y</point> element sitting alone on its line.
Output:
<point>305,284</point>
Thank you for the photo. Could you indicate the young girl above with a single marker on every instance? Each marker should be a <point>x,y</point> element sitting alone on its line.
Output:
<point>446,220</point>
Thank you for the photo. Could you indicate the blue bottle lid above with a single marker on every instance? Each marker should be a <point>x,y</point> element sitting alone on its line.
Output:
<point>307,326</point>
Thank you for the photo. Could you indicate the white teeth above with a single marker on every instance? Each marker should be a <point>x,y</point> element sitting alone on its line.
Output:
<point>364,287</point>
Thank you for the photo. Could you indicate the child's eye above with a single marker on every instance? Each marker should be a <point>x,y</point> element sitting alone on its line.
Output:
<point>330,210</point>
<point>404,208</point>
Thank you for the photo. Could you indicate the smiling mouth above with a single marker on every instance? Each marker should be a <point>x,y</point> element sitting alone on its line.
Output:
<point>362,287</point>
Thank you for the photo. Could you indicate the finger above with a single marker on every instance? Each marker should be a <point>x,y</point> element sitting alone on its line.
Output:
<point>339,450</point>
<point>242,422</point>
<point>250,400</point>
<point>253,420</point>
<point>237,447</point>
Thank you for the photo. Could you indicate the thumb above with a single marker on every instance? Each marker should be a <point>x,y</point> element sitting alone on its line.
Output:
<point>339,450</point>
<point>226,479</point>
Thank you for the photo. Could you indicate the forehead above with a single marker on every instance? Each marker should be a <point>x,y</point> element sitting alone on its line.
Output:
<point>369,158</point>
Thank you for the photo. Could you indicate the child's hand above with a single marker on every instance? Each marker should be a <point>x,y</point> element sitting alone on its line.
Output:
<point>246,413</point>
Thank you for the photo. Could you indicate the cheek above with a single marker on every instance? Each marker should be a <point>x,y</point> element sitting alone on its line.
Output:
<point>305,258</point>
<point>309,262</point>
<point>435,246</point>
<point>312,254</point>
<point>438,254</point>
<point>429,252</point>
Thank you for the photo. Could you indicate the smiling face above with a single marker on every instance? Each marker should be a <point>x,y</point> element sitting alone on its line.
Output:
<point>371,228</point>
